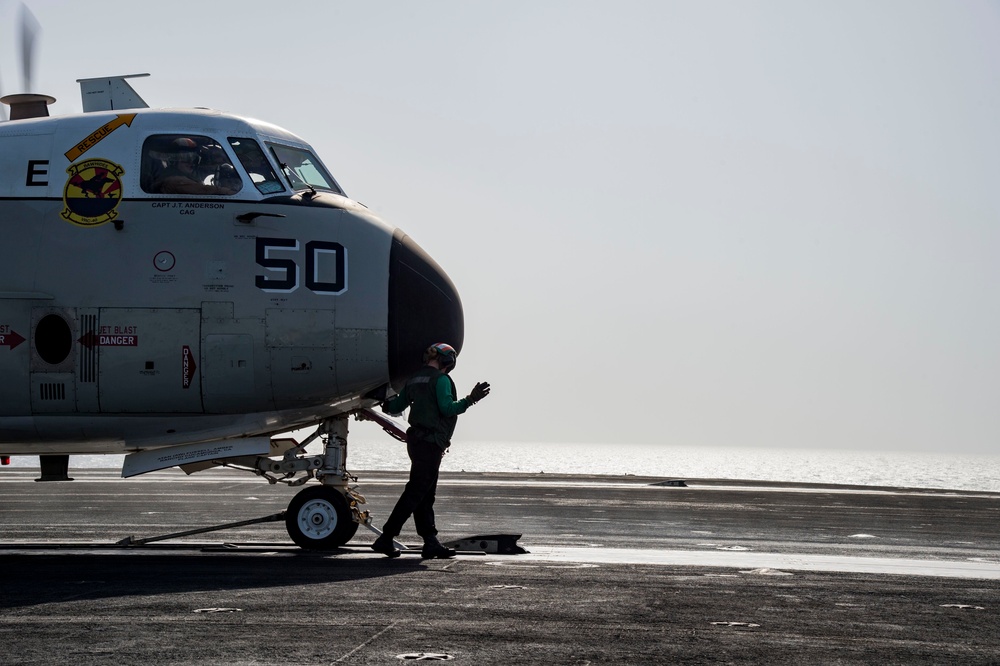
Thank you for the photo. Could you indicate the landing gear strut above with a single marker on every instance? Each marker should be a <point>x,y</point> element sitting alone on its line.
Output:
<point>325,517</point>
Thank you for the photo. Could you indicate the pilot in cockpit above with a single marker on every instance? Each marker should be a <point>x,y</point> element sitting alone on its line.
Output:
<point>182,173</point>
<point>253,160</point>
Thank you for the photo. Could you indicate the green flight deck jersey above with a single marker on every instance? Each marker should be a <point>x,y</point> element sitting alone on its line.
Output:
<point>431,396</point>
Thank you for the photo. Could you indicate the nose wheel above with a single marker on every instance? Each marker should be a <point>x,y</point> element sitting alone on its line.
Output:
<point>319,518</point>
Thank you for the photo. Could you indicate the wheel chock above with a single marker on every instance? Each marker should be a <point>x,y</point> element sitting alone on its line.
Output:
<point>494,544</point>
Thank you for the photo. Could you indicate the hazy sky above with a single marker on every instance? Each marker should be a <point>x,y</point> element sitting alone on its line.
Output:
<point>698,223</point>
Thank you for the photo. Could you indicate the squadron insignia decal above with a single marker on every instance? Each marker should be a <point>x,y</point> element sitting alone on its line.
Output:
<point>92,193</point>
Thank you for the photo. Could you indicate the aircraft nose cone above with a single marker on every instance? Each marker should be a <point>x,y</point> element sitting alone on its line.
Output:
<point>424,308</point>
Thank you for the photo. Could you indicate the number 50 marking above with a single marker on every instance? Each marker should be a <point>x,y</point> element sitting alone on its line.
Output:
<point>280,256</point>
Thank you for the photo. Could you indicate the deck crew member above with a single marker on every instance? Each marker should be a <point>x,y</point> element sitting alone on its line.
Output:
<point>430,395</point>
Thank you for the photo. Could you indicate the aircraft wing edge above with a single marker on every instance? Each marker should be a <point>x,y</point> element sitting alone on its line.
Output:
<point>142,462</point>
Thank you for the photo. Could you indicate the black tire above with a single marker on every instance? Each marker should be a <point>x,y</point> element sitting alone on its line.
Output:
<point>319,518</point>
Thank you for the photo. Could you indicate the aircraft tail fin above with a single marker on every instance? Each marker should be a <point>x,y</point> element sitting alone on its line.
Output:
<point>110,93</point>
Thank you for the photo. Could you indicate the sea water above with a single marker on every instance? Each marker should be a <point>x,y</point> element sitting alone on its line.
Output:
<point>870,468</point>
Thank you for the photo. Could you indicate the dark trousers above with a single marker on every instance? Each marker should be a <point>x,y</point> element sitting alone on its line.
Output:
<point>418,496</point>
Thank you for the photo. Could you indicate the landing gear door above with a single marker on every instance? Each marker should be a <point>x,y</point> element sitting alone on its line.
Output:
<point>148,360</point>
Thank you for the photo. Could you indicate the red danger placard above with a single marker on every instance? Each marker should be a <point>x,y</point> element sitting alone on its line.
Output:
<point>109,340</point>
<point>9,338</point>
<point>118,340</point>
<point>187,367</point>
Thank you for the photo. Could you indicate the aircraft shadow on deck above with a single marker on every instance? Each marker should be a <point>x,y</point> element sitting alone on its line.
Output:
<point>35,579</point>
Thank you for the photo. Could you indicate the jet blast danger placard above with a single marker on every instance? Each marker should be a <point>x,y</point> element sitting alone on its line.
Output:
<point>111,336</point>
<point>8,337</point>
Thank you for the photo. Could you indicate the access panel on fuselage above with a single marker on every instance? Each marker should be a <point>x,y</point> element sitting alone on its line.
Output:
<point>149,360</point>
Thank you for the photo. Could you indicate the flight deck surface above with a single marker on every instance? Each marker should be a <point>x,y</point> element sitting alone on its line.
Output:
<point>619,569</point>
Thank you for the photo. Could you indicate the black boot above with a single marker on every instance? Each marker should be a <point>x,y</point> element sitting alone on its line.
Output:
<point>384,545</point>
<point>433,549</point>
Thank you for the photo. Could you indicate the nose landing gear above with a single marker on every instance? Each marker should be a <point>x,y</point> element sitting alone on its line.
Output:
<point>326,517</point>
<point>319,518</point>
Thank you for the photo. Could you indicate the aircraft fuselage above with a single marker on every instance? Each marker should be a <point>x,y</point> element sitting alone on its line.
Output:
<point>136,317</point>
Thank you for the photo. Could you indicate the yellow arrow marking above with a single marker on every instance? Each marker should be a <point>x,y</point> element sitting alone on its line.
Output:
<point>97,135</point>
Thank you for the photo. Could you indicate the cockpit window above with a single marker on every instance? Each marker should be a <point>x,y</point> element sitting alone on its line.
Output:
<point>187,164</point>
<point>252,158</point>
<point>303,170</point>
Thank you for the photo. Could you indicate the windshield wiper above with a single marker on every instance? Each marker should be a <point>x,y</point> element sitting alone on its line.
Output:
<point>290,175</point>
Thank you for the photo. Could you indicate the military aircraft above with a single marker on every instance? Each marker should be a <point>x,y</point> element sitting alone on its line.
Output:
<point>181,285</point>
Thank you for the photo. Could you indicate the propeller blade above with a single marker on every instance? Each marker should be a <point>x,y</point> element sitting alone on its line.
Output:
<point>3,107</point>
<point>30,27</point>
